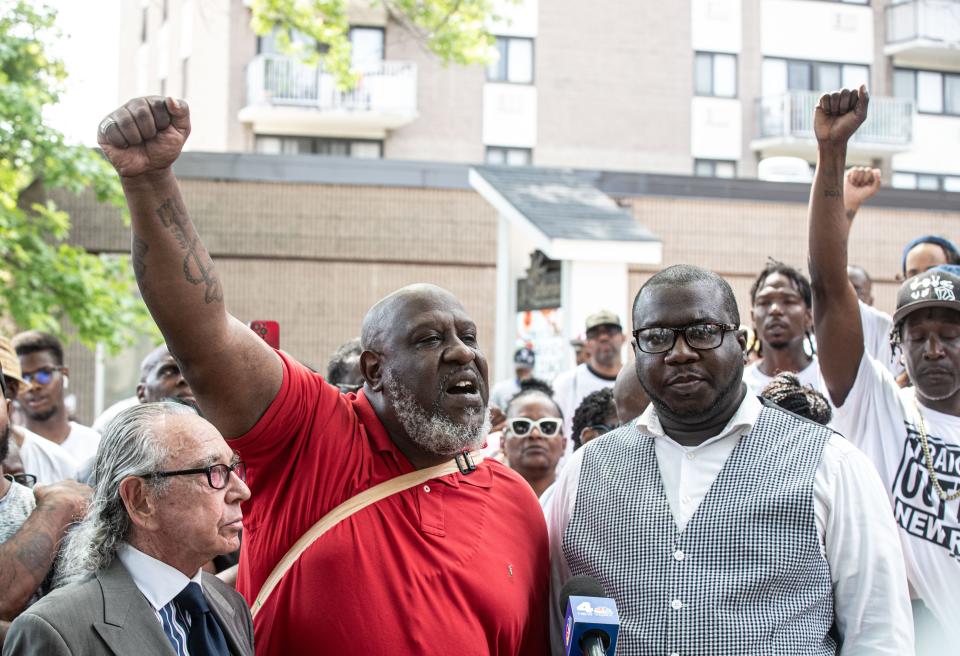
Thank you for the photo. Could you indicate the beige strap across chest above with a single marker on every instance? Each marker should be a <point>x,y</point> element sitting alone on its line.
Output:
<point>344,510</point>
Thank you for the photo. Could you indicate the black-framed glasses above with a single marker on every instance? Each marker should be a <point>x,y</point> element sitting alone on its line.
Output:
<point>42,376</point>
<point>548,426</point>
<point>217,475</point>
<point>699,336</point>
<point>26,480</point>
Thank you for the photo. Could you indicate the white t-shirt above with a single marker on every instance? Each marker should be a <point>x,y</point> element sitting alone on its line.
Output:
<point>48,461</point>
<point>876,337</point>
<point>569,389</point>
<point>82,442</point>
<point>881,419</point>
<point>502,392</point>
<point>756,380</point>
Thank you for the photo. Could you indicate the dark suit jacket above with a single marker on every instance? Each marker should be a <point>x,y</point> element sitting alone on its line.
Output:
<point>108,615</point>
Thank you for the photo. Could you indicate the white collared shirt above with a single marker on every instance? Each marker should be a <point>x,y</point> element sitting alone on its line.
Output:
<point>857,532</point>
<point>156,580</point>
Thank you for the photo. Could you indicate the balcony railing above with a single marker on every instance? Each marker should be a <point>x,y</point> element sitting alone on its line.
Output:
<point>933,21</point>
<point>388,87</point>
<point>889,125</point>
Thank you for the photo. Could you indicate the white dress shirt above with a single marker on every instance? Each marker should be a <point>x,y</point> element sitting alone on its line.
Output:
<point>858,536</point>
<point>156,580</point>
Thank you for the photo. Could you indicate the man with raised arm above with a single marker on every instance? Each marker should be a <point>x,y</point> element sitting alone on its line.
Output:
<point>912,435</point>
<point>456,565</point>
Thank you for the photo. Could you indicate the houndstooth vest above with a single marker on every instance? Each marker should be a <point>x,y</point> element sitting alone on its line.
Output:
<point>746,576</point>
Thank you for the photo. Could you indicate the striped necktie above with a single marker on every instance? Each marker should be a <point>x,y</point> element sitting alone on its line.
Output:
<point>191,627</point>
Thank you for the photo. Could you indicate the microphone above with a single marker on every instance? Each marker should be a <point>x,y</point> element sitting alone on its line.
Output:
<point>592,621</point>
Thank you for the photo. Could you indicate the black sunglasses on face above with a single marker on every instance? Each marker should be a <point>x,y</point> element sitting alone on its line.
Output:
<point>700,337</point>
<point>217,475</point>
<point>41,376</point>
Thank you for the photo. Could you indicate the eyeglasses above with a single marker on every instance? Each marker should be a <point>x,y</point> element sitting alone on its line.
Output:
<point>217,475</point>
<point>700,336</point>
<point>27,480</point>
<point>41,376</point>
<point>601,429</point>
<point>548,426</point>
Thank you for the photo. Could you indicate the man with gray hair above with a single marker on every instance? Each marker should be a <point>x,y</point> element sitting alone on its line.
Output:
<point>167,501</point>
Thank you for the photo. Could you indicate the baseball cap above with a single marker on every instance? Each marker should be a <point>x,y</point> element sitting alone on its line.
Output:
<point>603,318</point>
<point>936,287</point>
<point>524,357</point>
<point>9,360</point>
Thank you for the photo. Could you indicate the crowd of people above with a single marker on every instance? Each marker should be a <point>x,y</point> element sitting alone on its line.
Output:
<point>787,487</point>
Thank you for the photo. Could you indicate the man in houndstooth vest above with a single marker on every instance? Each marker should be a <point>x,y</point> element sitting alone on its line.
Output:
<point>719,524</point>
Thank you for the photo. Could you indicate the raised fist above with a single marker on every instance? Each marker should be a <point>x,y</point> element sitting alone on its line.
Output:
<point>144,135</point>
<point>859,184</point>
<point>839,114</point>
<point>66,495</point>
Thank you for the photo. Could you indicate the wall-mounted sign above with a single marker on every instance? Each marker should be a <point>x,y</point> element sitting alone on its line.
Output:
<point>540,290</point>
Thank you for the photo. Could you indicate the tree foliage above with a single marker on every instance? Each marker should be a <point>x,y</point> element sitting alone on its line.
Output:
<point>456,31</point>
<point>46,283</point>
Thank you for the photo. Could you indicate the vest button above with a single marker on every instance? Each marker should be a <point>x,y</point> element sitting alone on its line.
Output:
<point>678,555</point>
<point>676,604</point>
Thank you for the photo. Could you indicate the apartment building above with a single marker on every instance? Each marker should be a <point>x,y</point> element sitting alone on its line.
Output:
<point>699,87</point>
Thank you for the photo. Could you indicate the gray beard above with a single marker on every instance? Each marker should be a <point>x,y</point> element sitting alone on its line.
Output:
<point>435,433</point>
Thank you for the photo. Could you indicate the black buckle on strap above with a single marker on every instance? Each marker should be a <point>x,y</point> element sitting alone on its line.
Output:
<point>465,463</point>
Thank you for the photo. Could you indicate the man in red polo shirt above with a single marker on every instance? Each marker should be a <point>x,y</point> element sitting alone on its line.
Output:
<point>457,565</point>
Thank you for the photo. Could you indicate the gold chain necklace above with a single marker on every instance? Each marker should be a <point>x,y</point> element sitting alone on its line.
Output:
<point>928,460</point>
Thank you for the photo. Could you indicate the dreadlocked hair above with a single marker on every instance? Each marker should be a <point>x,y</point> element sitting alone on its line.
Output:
<point>529,387</point>
<point>799,280</point>
<point>594,409</point>
<point>789,393</point>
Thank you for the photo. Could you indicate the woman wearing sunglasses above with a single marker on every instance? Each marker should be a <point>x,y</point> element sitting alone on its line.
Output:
<point>533,437</point>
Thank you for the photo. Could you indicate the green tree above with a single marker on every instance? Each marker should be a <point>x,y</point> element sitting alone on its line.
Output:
<point>456,31</point>
<point>46,283</point>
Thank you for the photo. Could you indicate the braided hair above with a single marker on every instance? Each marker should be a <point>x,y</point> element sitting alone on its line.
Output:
<point>529,387</point>
<point>789,393</point>
<point>594,409</point>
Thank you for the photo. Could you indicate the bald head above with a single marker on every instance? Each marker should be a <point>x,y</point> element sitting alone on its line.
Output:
<point>152,360</point>
<point>628,395</point>
<point>160,378</point>
<point>383,317</point>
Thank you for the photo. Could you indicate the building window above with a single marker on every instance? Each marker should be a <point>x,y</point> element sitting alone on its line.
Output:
<point>366,46</point>
<point>783,75</point>
<point>925,181</point>
<point>184,76</point>
<point>514,63</point>
<point>715,74</point>
<point>357,148</point>
<point>933,91</point>
<point>144,17</point>
<point>714,168</point>
<point>509,156</point>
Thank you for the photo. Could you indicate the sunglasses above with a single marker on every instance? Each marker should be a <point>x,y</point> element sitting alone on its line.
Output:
<point>548,426</point>
<point>41,376</point>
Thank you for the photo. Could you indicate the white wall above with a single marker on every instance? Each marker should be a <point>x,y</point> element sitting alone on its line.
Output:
<point>936,144</point>
<point>715,127</point>
<point>510,115</point>
<point>819,31</point>
<point>716,25</point>
<point>592,286</point>
<point>516,19</point>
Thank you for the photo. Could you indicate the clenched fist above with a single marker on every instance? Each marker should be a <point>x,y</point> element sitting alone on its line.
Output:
<point>839,114</point>
<point>66,495</point>
<point>146,134</point>
<point>859,184</point>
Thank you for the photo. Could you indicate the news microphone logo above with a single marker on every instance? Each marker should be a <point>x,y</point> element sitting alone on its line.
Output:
<point>592,621</point>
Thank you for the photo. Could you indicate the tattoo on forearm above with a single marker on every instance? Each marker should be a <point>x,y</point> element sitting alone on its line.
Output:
<point>198,268</point>
<point>36,553</point>
<point>832,193</point>
<point>140,248</point>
